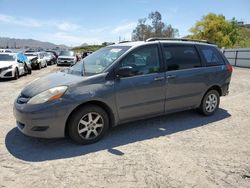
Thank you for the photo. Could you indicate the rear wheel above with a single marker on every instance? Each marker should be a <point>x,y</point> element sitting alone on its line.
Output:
<point>88,124</point>
<point>210,103</point>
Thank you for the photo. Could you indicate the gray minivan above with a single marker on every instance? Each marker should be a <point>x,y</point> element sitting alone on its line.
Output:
<point>122,83</point>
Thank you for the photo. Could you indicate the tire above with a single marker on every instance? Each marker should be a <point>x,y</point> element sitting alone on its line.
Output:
<point>39,66</point>
<point>92,120</point>
<point>210,103</point>
<point>30,71</point>
<point>45,65</point>
<point>16,74</point>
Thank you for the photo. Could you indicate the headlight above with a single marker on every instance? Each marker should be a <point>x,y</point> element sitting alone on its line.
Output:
<point>48,95</point>
<point>6,68</point>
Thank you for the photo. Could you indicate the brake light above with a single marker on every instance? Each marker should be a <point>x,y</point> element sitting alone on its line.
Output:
<point>229,68</point>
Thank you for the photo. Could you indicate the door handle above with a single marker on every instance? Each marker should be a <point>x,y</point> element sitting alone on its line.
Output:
<point>159,78</point>
<point>171,77</point>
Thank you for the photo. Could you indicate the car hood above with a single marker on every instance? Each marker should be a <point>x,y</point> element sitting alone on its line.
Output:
<point>50,81</point>
<point>31,57</point>
<point>72,57</point>
<point>6,63</point>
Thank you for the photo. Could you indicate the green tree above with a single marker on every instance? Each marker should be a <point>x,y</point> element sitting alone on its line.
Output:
<point>244,37</point>
<point>156,28</point>
<point>217,29</point>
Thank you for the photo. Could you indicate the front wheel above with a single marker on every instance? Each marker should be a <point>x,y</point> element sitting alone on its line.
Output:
<point>16,74</point>
<point>88,124</point>
<point>210,103</point>
<point>39,66</point>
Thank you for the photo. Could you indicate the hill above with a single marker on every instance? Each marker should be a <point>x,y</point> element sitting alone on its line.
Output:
<point>6,42</point>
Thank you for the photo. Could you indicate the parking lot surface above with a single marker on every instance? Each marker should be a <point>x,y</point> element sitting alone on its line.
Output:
<point>177,150</point>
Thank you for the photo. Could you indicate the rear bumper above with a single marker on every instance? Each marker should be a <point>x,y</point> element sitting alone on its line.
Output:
<point>225,89</point>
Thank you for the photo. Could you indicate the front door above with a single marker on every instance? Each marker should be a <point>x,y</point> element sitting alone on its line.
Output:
<point>142,94</point>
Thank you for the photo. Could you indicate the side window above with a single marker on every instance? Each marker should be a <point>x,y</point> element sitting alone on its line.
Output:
<point>144,60</point>
<point>181,57</point>
<point>211,56</point>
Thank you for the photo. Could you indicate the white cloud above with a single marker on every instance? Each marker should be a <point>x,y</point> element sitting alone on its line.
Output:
<point>66,26</point>
<point>30,22</point>
<point>124,28</point>
<point>27,22</point>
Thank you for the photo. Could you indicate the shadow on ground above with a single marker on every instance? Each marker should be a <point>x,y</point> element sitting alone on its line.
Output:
<point>35,150</point>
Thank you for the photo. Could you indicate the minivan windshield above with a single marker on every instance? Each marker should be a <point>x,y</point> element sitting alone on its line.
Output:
<point>98,61</point>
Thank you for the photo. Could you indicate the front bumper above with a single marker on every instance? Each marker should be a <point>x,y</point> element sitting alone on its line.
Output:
<point>6,73</point>
<point>43,120</point>
<point>65,62</point>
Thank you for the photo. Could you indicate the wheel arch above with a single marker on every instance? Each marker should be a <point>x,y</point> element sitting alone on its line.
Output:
<point>213,87</point>
<point>101,104</point>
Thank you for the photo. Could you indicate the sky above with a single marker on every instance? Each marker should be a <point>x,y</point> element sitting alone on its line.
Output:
<point>74,22</point>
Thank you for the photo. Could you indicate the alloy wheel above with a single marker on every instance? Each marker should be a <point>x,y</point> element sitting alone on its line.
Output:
<point>211,103</point>
<point>90,125</point>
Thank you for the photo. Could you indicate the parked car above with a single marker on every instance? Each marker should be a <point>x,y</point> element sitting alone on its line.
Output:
<point>12,65</point>
<point>37,59</point>
<point>23,58</point>
<point>123,83</point>
<point>66,58</point>
<point>6,51</point>
<point>85,54</point>
<point>50,58</point>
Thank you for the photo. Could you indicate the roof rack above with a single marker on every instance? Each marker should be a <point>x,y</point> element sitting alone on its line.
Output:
<point>125,41</point>
<point>178,39</point>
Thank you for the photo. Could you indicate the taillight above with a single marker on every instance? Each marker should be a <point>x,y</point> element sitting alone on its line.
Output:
<point>229,68</point>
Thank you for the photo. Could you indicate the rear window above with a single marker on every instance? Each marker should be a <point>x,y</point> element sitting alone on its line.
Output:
<point>181,57</point>
<point>211,56</point>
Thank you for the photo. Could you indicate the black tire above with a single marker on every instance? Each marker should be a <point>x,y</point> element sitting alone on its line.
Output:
<point>16,74</point>
<point>209,108</point>
<point>30,71</point>
<point>89,126</point>
<point>45,65</point>
<point>39,66</point>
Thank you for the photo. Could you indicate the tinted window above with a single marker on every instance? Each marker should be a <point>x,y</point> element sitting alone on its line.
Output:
<point>144,60</point>
<point>211,56</point>
<point>181,57</point>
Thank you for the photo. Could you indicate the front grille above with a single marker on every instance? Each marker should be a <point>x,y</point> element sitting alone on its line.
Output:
<point>65,59</point>
<point>22,99</point>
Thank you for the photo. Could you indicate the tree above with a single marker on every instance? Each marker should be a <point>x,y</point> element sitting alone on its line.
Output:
<point>217,29</point>
<point>157,28</point>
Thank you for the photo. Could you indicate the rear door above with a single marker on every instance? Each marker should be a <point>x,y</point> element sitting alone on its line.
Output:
<point>185,79</point>
<point>143,93</point>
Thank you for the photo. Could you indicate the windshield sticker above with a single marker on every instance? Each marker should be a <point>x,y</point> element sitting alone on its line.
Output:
<point>115,50</point>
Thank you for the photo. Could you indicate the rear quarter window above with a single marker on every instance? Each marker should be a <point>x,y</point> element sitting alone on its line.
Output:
<point>211,56</point>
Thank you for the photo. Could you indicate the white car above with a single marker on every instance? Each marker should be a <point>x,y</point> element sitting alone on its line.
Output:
<point>11,66</point>
<point>37,59</point>
<point>66,58</point>
<point>6,51</point>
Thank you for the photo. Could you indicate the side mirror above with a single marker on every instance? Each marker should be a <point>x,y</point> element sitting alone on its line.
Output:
<point>125,72</point>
